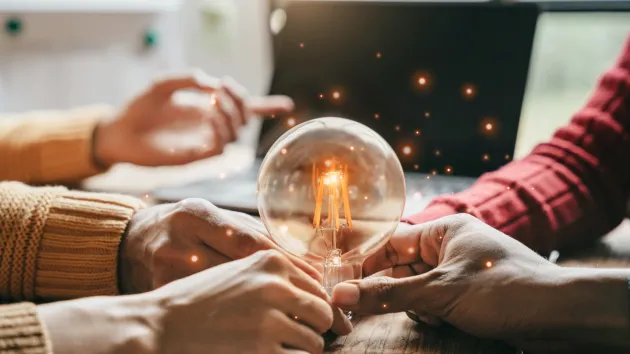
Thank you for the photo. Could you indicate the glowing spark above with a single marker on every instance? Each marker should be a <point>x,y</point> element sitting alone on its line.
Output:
<point>377,116</point>
<point>291,121</point>
<point>321,96</point>
<point>406,150</point>
<point>397,128</point>
<point>437,152</point>
<point>489,264</point>
<point>428,177</point>
<point>378,55</point>
<point>448,169</point>
<point>229,232</point>
<point>283,151</point>
<point>486,157</point>
<point>301,44</point>
<point>336,95</point>
<point>194,258</point>
<point>507,157</point>
<point>411,250</point>
<point>469,91</point>
<point>352,148</point>
<point>422,81</point>
<point>417,132</point>
<point>416,167</point>
<point>489,126</point>
<point>366,197</point>
<point>384,306</point>
<point>427,114</point>
<point>434,172</point>
<point>295,318</point>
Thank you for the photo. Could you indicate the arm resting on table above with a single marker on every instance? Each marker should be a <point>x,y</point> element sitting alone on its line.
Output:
<point>569,190</point>
<point>59,244</point>
<point>49,146</point>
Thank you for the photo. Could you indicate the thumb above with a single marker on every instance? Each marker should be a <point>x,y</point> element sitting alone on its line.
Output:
<point>382,294</point>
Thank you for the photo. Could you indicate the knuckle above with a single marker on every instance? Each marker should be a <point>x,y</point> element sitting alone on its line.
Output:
<point>274,289</point>
<point>248,244</point>
<point>384,288</point>
<point>273,260</point>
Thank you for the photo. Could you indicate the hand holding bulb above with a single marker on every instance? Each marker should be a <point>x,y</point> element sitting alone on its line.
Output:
<point>331,191</point>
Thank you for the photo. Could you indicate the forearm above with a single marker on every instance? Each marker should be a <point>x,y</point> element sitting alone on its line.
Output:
<point>21,330</point>
<point>60,244</point>
<point>569,190</point>
<point>101,325</point>
<point>49,146</point>
<point>591,306</point>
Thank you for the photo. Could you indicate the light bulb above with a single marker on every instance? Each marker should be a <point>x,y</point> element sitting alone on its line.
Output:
<point>331,191</point>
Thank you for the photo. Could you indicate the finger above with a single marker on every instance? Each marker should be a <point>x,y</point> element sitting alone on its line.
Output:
<point>237,93</point>
<point>306,308</point>
<point>383,294</point>
<point>341,325</point>
<point>177,265</point>
<point>411,244</point>
<point>293,351</point>
<point>196,80</point>
<point>222,131</point>
<point>239,241</point>
<point>227,118</point>
<point>269,105</point>
<point>295,335</point>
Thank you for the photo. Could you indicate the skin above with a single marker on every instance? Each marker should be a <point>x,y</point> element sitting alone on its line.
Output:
<point>172,241</point>
<point>197,276</point>
<point>259,304</point>
<point>156,128</point>
<point>459,270</point>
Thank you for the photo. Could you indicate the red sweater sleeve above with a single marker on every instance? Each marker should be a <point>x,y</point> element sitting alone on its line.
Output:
<point>567,191</point>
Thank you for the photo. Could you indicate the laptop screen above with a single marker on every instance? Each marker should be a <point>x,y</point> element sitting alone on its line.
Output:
<point>443,84</point>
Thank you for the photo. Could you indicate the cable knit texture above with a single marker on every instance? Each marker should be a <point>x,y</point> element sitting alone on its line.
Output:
<point>21,331</point>
<point>59,244</point>
<point>54,243</point>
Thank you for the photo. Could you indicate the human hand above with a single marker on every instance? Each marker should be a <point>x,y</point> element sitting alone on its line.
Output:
<point>155,128</point>
<point>171,241</point>
<point>259,304</point>
<point>482,281</point>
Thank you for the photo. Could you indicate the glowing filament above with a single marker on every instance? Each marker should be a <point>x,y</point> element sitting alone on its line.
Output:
<point>334,185</point>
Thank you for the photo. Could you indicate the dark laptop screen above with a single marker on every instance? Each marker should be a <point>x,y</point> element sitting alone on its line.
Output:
<point>443,84</point>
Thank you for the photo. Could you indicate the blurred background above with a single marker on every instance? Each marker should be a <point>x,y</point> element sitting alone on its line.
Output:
<point>66,53</point>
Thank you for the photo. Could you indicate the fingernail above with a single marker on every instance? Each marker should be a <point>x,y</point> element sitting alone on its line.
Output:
<point>345,295</point>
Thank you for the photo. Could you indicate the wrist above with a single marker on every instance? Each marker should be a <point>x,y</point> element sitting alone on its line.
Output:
<point>134,274</point>
<point>100,325</point>
<point>592,305</point>
<point>104,144</point>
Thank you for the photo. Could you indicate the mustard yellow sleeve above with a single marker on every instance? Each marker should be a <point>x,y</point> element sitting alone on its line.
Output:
<point>59,244</point>
<point>21,330</point>
<point>49,146</point>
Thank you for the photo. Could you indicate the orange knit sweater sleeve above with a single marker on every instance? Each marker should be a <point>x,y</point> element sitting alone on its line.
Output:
<point>54,244</point>
<point>49,146</point>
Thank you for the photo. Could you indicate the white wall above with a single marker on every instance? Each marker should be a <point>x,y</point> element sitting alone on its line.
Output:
<point>64,60</point>
<point>61,60</point>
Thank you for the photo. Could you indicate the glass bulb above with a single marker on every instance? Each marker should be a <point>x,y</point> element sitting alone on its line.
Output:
<point>331,191</point>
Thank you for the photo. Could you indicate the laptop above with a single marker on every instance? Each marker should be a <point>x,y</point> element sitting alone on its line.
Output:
<point>445,81</point>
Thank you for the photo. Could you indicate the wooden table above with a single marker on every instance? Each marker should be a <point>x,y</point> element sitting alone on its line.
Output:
<point>393,333</point>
